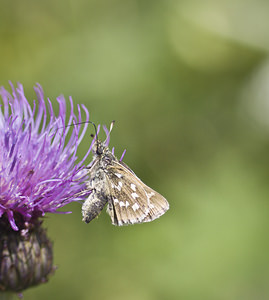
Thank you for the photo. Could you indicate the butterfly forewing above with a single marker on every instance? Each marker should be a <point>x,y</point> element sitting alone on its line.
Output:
<point>128,206</point>
<point>157,203</point>
<point>131,201</point>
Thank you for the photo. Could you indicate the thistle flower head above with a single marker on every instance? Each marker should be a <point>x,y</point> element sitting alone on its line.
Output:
<point>39,173</point>
<point>38,169</point>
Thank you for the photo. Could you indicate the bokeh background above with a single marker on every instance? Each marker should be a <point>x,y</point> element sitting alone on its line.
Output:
<point>188,85</point>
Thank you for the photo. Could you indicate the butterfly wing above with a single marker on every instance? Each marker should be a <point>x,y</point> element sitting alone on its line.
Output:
<point>131,201</point>
<point>125,206</point>
<point>158,205</point>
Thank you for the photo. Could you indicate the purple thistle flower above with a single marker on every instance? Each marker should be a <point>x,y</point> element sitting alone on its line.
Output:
<point>39,173</point>
<point>38,169</point>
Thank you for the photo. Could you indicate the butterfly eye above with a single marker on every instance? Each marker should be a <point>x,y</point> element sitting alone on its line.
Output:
<point>99,148</point>
<point>99,151</point>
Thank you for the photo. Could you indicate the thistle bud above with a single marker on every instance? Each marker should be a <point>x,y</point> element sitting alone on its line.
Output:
<point>26,257</point>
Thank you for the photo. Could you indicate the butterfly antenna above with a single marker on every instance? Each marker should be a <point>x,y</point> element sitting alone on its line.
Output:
<point>110,129</point>
<point>95,128</point>
<point>85,122</point>
<point>92,135</point>
<point>96,135</point>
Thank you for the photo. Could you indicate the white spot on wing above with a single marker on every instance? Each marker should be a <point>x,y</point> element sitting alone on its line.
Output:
<point>134,195</point>
<point>135,207</point>
<point>150,195</point>
<point>116,201</point>
<point>122,203</point>
<point>133,221</point>
<point>133,187</point>
<point>118,175</point>
<point>127,203</point>
<point>118,187</point>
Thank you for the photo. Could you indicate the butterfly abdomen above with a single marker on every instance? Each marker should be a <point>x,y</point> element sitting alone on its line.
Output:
<point>93,206</point>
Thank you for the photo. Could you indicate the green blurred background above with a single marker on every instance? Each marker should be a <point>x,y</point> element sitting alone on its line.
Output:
<point>188,85</point>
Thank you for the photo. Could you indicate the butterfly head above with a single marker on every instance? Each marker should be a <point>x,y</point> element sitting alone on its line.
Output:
<point>101,148</point>
<point>98,147</point>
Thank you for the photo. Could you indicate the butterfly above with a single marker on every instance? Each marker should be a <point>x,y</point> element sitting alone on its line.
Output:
<point>112,182</point>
